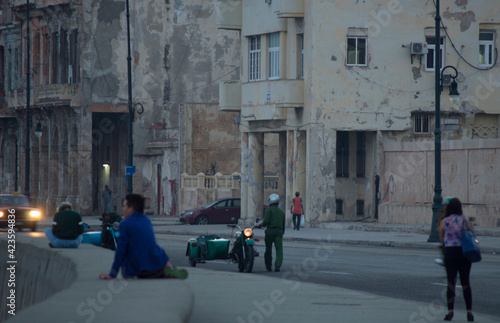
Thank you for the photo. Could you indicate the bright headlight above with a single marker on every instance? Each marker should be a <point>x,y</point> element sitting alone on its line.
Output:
<point>35,214</point>
<point>1,214</point>
<point>248,232</point>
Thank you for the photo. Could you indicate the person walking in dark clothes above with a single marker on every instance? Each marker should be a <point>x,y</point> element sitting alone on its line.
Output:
<point>450,233</point>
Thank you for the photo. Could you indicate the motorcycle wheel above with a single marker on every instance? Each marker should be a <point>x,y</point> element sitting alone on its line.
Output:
<point>250,259</point>
<point>192,261</point>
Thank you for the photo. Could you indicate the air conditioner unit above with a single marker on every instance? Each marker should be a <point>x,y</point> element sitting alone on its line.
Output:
<point>418,48</point>
<point>446,79</point>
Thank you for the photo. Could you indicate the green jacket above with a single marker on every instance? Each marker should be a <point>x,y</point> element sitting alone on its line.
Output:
<point>274,218</point>
<point>68,225</point>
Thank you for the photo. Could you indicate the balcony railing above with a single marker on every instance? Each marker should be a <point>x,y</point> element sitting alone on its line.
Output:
<point>219,181</point>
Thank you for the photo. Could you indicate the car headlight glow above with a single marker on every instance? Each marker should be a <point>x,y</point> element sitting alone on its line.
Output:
<point>248,232</point>
<point>35,214</point>
<point>1,214</point>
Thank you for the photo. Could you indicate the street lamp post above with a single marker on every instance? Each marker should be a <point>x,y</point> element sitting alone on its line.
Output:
<point>130,159</point>
<point>28,98</point>
<point>437,206</point>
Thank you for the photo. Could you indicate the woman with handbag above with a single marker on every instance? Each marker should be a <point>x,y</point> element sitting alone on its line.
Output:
<point>450,232</point>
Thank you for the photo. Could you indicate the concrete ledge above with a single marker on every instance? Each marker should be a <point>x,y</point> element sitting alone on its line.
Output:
<point>66,287</point>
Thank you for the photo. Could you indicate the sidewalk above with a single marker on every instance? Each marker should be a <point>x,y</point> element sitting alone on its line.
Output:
<point>234,297</point>
<point>369,234</point>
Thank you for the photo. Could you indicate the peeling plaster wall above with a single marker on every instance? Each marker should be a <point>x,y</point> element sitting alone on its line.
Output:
<point>178,57</point>
<point>215,145</point>
<point>378,98</point>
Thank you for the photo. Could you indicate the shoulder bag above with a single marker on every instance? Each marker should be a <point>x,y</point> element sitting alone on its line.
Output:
<point>470,246</point>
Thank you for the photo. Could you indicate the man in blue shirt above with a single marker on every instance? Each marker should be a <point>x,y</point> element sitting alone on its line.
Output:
<point>138,254</point>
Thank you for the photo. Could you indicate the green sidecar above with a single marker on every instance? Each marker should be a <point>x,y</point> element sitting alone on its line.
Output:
<point>205,248</point>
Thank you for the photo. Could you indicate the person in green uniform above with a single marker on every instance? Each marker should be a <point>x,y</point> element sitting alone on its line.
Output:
<point>274,220</point>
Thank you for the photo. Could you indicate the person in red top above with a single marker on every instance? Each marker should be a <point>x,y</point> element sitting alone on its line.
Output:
<point>297,210</point>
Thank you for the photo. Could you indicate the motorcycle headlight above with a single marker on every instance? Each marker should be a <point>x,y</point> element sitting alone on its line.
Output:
<point>35,214</point>
<point>248,232</point>
<point>116,226</point>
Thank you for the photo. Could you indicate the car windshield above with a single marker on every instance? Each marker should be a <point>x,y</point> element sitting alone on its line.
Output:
<point>206,206</point>
<point>18,200</point>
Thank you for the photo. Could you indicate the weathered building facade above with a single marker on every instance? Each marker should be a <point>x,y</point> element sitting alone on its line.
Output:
<point>328,97</point>
<point>352,102</point>
<point>79,96</point>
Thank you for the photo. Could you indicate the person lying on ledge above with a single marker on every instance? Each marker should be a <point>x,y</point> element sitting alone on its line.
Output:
<point>137,253</point>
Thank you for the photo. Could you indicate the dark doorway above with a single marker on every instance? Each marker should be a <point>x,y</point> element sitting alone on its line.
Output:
<point>109,157</point>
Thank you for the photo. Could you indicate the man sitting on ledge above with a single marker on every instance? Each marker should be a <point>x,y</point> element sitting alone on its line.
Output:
<point>67,228</point>
<point>137,253</point>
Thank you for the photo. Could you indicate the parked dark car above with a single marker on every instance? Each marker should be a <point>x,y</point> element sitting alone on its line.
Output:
<point>217,212</point>
<point>17,207</point>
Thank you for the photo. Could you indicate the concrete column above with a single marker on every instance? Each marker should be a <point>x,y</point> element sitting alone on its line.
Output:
<point>321,170</point>
<point>296,155</point>
<point>290,165</point>
<point>282,171</point>
<point>255,176</point>
<point>300,147</point>
<point>244,176</point>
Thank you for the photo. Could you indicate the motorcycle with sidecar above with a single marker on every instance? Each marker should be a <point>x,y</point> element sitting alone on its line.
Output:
<point>215,247</point>
<point>94,237</point>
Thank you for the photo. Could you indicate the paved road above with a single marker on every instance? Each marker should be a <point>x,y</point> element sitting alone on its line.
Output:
<point>400,273</point>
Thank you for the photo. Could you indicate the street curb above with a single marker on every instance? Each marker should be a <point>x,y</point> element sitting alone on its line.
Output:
<point>385,243</point>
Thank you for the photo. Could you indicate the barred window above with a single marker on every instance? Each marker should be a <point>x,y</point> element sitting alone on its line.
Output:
<point>342,154</point>
<point>421,123</point>
<point>254,58</point>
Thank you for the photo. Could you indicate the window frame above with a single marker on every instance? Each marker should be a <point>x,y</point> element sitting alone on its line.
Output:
<point>419,121</point>
<point>300,60</point>
<point>356,51</point>
<point>361,154</point>
<point>254,58</point>
<point>488,44</point>
<point>431,53</point>
<point>273,56</point>
<point>342,154</point>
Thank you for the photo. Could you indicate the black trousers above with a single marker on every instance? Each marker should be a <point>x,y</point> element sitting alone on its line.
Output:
<point>296,221</point>
<point>455,262</point>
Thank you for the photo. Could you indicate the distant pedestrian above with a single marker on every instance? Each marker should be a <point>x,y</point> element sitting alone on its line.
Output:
<point>297,210</point>
<point>450,232</point>
<point>106,198</point>
<point>67,228</point>
<point>274,220</point>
